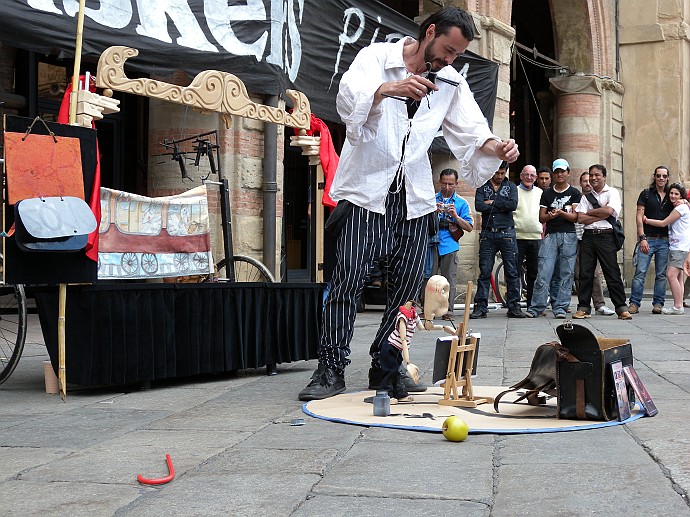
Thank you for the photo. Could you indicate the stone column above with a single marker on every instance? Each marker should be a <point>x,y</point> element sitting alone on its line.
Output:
<point>589,123</point>
<point>589,130</point>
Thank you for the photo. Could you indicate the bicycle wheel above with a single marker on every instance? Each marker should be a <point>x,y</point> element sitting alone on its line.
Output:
<point>12,328</point>
<point>248,269</point>
<point>501,289</point>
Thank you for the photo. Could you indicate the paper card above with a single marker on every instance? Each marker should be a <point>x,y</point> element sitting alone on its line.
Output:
<point>640,390</point>
<point>621,390</point>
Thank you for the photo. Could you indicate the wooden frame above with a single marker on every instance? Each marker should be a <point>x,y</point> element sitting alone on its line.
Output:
<point>459,355</point>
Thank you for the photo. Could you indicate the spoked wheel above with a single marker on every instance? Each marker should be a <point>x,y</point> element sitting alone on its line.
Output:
<point>12,328</point>
<point>501,287</point>
<point>248,269</point>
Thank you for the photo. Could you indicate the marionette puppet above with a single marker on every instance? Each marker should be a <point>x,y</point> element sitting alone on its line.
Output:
<point>396,349</point>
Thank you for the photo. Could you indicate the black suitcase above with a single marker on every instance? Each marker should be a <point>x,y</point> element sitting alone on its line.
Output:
<point>586,390</point>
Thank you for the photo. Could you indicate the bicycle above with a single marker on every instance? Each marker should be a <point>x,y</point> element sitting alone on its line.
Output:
<point>12,327</point>
<point>12,319</point>
<point>499,285</point>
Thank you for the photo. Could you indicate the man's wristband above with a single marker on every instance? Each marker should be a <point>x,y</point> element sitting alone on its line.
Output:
<point>641,238</point>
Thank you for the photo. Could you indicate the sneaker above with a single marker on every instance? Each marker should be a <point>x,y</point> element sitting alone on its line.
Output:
<point>408,382</point>
<point>477,314</point>
<point>657,308</point>
<point>605,311</point>
<point>516,313</point>
<point>673,310</point>
<point>580,315</point>
<point>327,384</point>
<point>559,315</point>
<point>633,308</point>
<point>625,315</point>
<point>686,304</point>
<point>531,314</point>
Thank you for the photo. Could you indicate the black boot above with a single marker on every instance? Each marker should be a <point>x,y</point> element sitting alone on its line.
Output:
<point>410,385</point>
<point>325,382</point>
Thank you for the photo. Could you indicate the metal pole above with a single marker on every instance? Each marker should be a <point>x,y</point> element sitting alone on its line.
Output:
<point>270,188</point>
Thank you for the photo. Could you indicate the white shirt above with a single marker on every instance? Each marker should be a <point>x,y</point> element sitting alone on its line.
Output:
<point>608,196</point>
<point>373,149</point>
<point>679,230</point>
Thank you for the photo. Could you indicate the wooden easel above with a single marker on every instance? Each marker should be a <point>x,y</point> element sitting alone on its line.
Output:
<point>462,354</point>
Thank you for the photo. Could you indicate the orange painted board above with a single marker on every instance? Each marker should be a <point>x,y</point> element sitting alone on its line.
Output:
<point>40,167</point>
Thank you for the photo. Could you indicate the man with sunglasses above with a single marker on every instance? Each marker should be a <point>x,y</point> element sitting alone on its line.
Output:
<point>384,183</point>
<point>653,203</point>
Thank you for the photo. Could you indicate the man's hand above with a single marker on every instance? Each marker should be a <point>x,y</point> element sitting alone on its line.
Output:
<point>686,265</point>
<point>507,150</point>
<point>644,247</point>
<point>415,87</point>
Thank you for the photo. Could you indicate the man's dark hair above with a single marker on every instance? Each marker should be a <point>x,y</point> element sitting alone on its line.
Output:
<point>543,169</point>
<point>503,166</point>
<point>448,172</point>
<point>586,172</point>
<point>447,18</point>
<point>652,185</point>
<point>598,166</point>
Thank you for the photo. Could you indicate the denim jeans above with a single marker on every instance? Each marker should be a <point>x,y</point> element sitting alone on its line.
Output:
<point>557,252</point>
<point>489,243</point>
<point>658,248</point>
<point>528,254</point>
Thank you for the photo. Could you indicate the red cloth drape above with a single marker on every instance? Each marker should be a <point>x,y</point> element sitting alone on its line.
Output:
<point>329,158</point>
<point>95,197</point>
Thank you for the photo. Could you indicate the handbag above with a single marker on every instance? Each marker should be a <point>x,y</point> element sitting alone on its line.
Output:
<point>339,216</point>
<point>542,376</point>
<point>618,233</point>
<point>53,224</point>
<point>455,231</point>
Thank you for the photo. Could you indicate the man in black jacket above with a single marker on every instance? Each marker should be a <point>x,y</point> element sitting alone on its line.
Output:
<point>496,200</point>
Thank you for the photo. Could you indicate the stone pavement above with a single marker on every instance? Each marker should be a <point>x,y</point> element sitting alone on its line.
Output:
<point>235,452</point>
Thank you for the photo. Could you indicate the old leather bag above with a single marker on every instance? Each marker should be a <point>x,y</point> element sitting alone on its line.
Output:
<point>541,376</point>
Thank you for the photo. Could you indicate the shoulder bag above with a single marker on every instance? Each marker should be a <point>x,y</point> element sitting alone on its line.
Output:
<point>618,233</point>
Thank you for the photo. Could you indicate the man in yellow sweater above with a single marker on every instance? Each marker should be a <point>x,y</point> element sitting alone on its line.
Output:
<point>527,227</point>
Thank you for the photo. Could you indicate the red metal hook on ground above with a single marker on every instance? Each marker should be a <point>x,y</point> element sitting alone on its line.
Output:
<point>160,481</point>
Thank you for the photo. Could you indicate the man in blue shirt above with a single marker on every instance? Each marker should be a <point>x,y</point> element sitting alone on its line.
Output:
<point>452,210</point>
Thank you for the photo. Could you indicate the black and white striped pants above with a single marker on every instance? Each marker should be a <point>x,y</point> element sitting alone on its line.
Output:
<point>365,237</point>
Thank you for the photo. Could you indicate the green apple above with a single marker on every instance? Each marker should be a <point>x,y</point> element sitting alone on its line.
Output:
<point>455,429</point>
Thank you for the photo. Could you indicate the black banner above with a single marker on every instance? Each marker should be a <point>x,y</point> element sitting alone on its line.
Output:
<point>270,44</point>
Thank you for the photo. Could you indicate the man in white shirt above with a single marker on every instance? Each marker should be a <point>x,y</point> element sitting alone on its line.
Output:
<point>528,229</point>
<point>598,244</point>
<point>384,183</point>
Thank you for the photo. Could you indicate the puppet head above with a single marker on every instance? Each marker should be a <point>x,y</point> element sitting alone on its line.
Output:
<point>436,297</point>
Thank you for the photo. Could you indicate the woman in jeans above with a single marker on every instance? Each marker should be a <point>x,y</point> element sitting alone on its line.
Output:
<point>678,223</point>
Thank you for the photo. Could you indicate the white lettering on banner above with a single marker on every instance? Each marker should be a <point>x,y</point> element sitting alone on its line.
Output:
<point>219,18</point>
<point>116,14</point>
<point>345,39</point>
<point>44,5</point>
<point>154,23</point>
<point>348,39</point>
<point>154,15</point>
<point>288,43</point>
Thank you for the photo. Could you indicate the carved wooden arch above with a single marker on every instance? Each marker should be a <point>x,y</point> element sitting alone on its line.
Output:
<point>209,91</point>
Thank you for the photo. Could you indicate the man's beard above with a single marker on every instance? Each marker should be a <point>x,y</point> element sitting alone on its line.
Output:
<point>430,59</point>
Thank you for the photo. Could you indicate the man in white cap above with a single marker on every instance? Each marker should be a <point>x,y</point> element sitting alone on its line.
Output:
<point>559,247</point>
